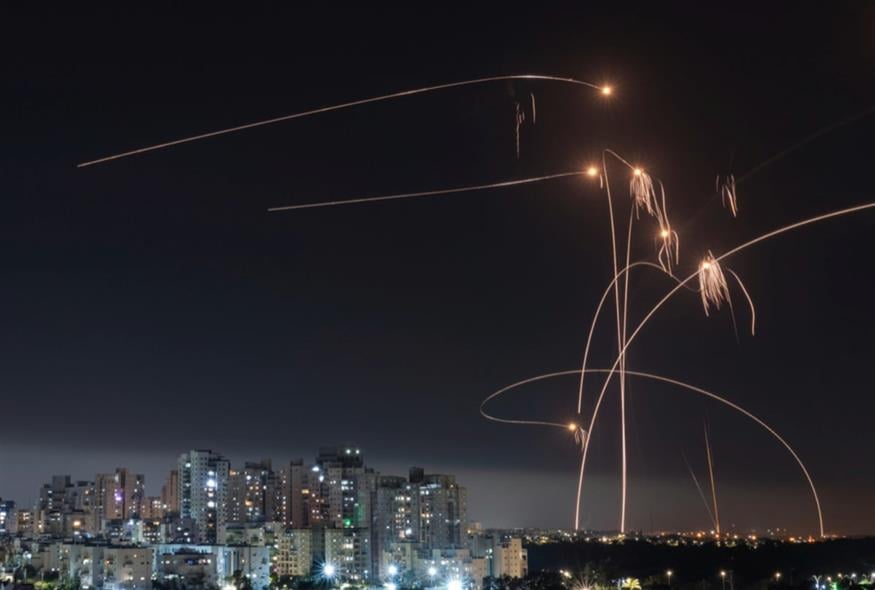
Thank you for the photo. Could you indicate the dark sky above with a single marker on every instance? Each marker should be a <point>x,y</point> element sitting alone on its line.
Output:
<point>151,305</point>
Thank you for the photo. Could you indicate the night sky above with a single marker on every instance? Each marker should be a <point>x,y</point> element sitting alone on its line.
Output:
<point>152,305</point>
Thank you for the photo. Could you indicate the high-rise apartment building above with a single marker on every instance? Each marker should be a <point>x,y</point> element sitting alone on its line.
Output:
<point>119,495</point>
<point>203,491</point>
<point>443,512</point>
<point>395,523</point>
<point>170,492</point>
<point>251,493</point>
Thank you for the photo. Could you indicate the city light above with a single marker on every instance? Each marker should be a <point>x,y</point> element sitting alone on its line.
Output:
<point>432,571</point>
<point>454,584</point>
<point>393,570</point>
<point>328,570</point>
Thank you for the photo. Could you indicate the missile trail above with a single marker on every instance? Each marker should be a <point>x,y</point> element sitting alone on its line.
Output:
<point>603,89</point>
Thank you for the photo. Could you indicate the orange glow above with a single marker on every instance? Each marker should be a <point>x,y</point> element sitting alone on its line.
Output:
<point>607,90</point>
<point>637,171</point>
<point>592,171</point>
<point>572,426</point>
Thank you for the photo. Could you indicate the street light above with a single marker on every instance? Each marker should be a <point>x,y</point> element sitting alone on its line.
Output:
<point>668,575</point>
<point>723,578</point>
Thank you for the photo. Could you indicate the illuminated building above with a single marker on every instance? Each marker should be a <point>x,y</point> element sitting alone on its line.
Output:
<point>251,493</point>
<point>203,491</point>
<point>118,495</point>
<point>8,524</point>
<point>443,510</point>
<point>170,492</point>
<point>395,522</point>
<point>294,556</point>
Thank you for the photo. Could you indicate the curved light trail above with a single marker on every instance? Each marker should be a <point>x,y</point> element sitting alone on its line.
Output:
<point>445,191</point>
<point>661,302</point>
<point>670,381</point>
<point>605,90</point>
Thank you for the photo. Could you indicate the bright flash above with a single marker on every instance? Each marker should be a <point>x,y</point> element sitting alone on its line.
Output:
<point>592,171</point>
<point>607,90</point>
<point>637,171</point>
<point>572,426</point>
<point>664,234</point>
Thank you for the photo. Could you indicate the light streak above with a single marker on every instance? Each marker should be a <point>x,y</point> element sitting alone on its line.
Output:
<point>694,389</point>
<point>699,489</point>
<point>808,139</point>
<point>338,107</point>
<point>433,193</point>
<point>713,481</point>
<point>620,340</point>
<point>670,294</point>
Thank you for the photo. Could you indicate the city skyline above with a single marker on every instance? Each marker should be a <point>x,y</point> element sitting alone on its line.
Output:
<point>152,304</point>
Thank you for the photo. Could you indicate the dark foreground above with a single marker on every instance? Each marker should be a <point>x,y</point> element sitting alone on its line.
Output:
<point>761,565</point>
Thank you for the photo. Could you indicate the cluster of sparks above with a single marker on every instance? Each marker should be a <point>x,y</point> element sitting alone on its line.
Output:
<point>647,196</point>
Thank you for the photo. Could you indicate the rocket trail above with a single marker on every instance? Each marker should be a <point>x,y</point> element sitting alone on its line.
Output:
<point>713,480</point>
<point>699,489</point>
<point>689,387</point>
<point>603,89</point>
<point>433,193</point>
<point>670,294</point>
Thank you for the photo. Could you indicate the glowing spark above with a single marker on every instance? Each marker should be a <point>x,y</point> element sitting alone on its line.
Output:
<point>726,187</point>
<point>592,171</point>
<point>712,283</point>
<point>644,194</point>
<point>534,109</point>
<point>338,107</point>
<point>607,90</point>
